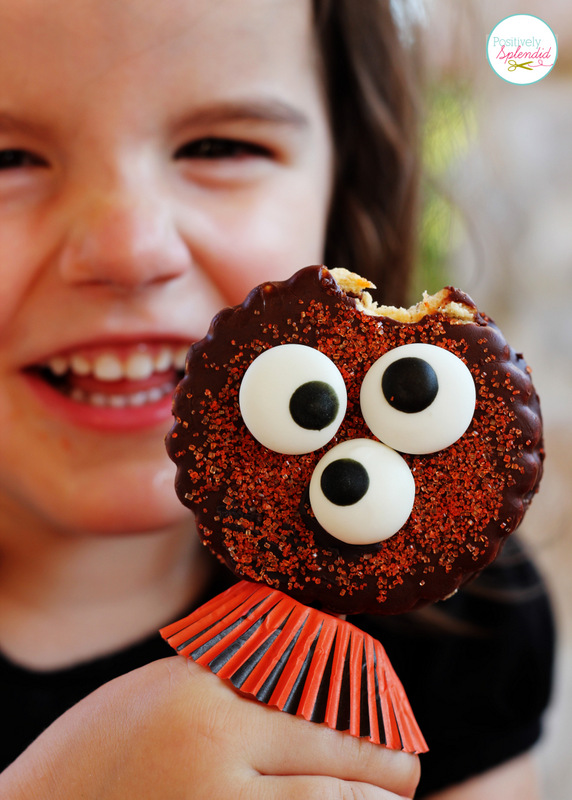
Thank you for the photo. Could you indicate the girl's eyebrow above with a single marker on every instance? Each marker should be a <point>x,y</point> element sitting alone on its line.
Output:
<point>260,110</point>
<point>247,110</point>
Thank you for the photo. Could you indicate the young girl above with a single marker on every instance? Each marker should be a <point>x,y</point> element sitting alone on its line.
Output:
<point>158,160</point>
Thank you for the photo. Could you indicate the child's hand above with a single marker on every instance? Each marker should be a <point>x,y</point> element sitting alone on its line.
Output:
<point>173,730</point>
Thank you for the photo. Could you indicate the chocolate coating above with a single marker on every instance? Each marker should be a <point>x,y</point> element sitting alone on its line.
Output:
<point>252,505</point>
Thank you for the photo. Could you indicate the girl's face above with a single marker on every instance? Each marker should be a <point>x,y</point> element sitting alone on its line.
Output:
<point>157,160</point>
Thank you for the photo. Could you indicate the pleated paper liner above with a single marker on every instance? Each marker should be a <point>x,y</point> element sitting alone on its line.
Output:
<point>302,661</point>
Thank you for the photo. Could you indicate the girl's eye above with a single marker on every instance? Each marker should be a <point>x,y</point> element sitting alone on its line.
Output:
<point>292,399</point>
<point>418,398</point>
<point>217,148</point>
<point>18,159</point>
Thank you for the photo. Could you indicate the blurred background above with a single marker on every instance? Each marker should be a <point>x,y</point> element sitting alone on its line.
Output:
<point>497,222</point>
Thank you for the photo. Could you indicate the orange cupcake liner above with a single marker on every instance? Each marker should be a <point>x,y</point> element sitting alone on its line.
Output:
<point>301,660</point>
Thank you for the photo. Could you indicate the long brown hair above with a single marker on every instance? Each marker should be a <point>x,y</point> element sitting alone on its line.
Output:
<point>370,84</point>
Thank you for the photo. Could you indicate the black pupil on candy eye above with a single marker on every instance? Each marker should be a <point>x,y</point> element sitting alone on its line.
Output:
<point>314,405</point>
<point>344,481</point>
<point>410,385</point>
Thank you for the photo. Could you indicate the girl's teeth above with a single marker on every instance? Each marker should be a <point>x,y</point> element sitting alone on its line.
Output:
<point>163,359</point>
<point>78,395</point>
<point>139,366</point>
<point>155,394</point>
<point>121,400</point>
<point>138,399</point>
<point>95,399</point>
<point>80,365</point>
<point>109,367</point>
<point>180,358</point>
<point>117,401</point>
<point>59,365</point>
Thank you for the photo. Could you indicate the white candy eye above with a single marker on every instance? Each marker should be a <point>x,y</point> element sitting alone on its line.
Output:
<point>292,399</point>
<point>418,398</point>
<point>362,492</point>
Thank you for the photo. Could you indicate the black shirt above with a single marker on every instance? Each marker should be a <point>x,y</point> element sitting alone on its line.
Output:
<point>477,670</point>
<point>479,676</point>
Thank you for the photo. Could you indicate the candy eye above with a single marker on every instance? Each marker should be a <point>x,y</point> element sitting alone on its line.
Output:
<point>418,398</point>
<point>292,399</point>
<point>362,491</point>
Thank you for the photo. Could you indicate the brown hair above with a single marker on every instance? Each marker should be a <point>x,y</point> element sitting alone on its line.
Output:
<point>370,85</point>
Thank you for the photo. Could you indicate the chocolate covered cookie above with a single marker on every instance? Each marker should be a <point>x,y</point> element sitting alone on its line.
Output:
<point>356,457</point>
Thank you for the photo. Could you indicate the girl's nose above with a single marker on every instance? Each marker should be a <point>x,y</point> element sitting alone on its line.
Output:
<point>125,242</point>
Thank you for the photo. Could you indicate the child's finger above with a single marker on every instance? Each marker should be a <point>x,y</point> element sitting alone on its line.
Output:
<point>310,749</point>
<point>316,788</point>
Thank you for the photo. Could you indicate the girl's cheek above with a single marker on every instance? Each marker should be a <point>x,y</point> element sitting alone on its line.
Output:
<point>268,242</point>
<point>23,256</point>
<point>14,282</point>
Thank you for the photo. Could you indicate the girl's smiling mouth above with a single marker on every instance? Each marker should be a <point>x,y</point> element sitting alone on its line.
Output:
<point>111,387</point>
